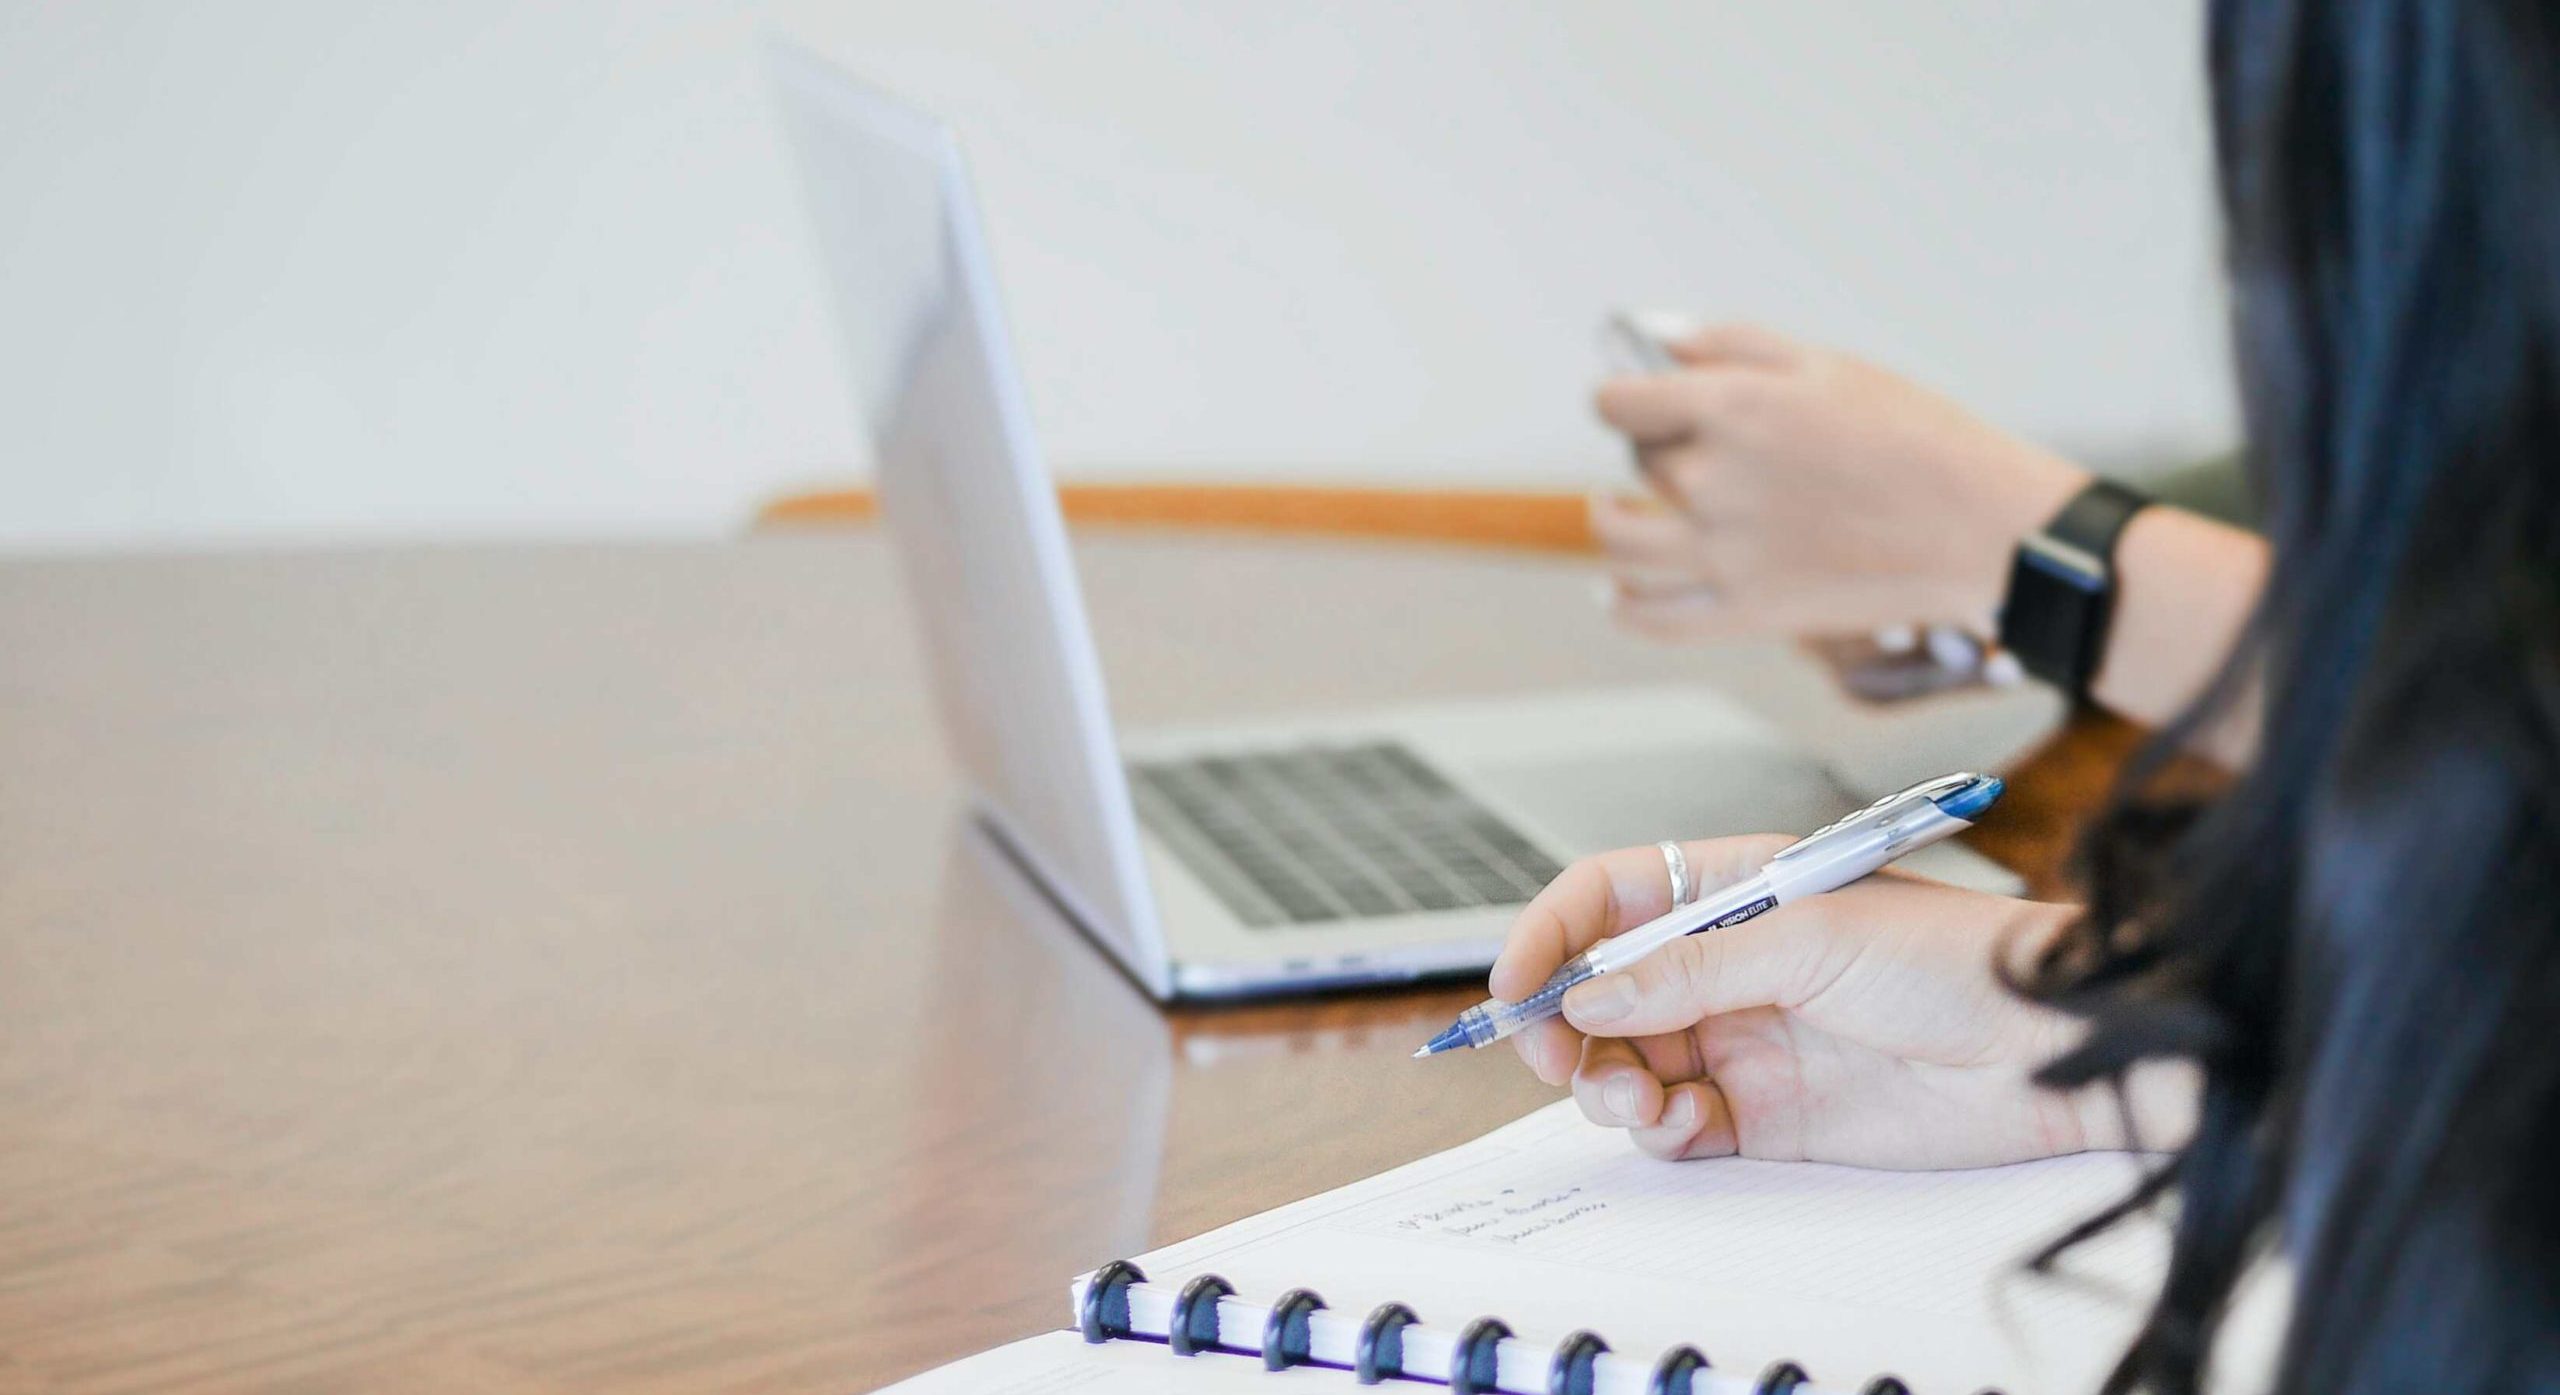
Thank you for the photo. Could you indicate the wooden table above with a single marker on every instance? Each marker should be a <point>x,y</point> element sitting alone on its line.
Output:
<point>565,968</point>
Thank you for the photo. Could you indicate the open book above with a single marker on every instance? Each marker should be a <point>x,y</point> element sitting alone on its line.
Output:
<point>1559,1230</point>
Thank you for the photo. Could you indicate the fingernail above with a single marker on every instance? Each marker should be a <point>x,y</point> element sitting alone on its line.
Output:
<point>1682,1112</point>
<point>1620,1095</point>
<point>1602,1002</point>
<point>1604,592</point>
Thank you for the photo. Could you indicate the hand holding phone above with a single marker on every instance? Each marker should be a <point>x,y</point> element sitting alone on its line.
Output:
<point>1898,662</point>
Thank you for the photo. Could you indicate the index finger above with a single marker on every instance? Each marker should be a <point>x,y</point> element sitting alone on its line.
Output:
<point>1655,409</point>
<point>1600,896</point>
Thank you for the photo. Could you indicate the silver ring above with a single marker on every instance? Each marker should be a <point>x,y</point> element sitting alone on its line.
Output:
<point>1678,862</point>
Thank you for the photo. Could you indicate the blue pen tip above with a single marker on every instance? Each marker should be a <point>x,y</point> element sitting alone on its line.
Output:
<point>1449,1040</point>
<point>1969,802</point>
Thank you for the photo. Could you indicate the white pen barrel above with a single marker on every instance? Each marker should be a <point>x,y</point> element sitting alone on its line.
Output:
<point>1742,899</point>
<point>1837,861</point>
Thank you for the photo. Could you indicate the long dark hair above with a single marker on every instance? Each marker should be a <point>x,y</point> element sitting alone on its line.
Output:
<point>2359,941</point>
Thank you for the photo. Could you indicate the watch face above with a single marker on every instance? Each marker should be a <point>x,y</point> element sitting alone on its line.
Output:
<point>2054,616</point>
<point>2062,585</point>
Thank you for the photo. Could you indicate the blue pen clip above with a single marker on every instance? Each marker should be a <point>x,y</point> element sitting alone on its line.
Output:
<point>1963,795</point>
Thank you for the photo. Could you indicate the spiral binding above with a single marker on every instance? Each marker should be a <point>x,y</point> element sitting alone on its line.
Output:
<point>1284,1335</point>
<point>1674,1372</point>
<point>1570,1373</point>
<point>1194,1328</point>
<point>1781,1378</point>
<point>1102,1315</point>
<point>1379,1354</point>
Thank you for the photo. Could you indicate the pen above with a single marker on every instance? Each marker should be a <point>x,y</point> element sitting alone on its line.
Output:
<point>1824,860</point>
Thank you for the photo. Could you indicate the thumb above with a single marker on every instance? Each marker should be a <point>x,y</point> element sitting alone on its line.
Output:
<point>1780,959</point>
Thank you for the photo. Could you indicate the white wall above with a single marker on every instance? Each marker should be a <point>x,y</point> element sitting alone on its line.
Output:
<point>304,268</point>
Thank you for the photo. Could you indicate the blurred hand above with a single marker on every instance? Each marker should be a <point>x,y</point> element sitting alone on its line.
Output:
<point>1798,491</point>
<point>1864,1026</point>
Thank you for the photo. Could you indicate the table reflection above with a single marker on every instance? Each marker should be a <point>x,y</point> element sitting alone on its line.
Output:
<point>1126,1118</point>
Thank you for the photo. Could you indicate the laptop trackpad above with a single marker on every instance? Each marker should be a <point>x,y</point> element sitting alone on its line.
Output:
<point>1627,796</point>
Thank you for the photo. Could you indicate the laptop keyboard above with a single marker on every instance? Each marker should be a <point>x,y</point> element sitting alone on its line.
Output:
<point>1325,833</point>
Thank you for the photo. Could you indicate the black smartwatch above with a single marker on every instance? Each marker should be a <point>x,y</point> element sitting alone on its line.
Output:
<point>2062,587</point>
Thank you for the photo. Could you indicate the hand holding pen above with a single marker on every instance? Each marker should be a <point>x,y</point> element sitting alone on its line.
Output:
<point>1823,860</point>
<point>1865,1025</point>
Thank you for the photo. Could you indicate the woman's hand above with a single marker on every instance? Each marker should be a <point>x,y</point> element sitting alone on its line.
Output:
<point>1864,1026</point>
<point>1806,492</point>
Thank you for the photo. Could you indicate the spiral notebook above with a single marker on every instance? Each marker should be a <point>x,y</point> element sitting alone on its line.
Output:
<point>1548,1256</point>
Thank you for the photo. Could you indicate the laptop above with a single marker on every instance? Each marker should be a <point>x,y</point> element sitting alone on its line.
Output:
<point>1228,861</point>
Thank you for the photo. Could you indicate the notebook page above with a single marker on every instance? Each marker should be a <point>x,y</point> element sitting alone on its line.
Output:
<point>1553,1224</point>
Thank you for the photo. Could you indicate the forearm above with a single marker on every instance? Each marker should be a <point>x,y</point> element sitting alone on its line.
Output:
<point>2185,586</point>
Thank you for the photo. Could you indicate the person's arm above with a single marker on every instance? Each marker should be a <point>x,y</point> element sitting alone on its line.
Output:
<point>1799,491</point>
<point>2184,588</point>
